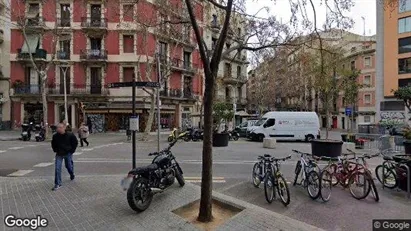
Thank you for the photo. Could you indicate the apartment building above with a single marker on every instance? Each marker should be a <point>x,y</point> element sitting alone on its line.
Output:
<point>87,45</point>
<point>393,58</point>
<point>232,75</point>
<point>5,120</point>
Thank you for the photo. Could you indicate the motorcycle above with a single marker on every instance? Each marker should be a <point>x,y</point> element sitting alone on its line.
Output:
<point>172,136</point>
<point>142,183</point>
<point>233,135</point>
<point>39,133</point>
<point>26,131</point>
<point>175,136</point>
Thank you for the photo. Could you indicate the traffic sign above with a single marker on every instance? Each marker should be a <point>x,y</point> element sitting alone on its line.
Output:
<point>348,111</point>
<point>130,84</point>
<point>134,123</point>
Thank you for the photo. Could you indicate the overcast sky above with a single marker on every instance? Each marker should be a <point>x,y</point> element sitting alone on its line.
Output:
<point>362,8</point>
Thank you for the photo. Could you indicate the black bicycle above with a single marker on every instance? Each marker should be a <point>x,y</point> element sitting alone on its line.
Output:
<point>275,179</point>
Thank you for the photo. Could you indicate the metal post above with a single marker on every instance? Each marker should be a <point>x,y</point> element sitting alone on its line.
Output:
<point>65,94</point>
<point>408,179</point>
<point>133,95</point>
<point>158,102</point>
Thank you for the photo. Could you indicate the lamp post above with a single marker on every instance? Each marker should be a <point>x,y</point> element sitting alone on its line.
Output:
<point>65,68</point>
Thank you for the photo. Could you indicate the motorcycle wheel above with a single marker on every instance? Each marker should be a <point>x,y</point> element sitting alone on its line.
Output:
<point>187,138</point>
<point>139,195</point>
<point>170,139</point>
<point>37,139</point>
<point>235,137</point>
<point>180,177</point>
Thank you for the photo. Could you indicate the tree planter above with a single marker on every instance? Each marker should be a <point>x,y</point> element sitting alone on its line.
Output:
<point>407,146</point>
<point>330,148</point>
<point>220,139</point>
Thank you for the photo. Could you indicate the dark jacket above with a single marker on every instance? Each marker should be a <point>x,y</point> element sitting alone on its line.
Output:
<point>63,144</point>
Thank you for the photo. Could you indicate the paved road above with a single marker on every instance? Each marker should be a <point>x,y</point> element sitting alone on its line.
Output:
<point>111,155</point>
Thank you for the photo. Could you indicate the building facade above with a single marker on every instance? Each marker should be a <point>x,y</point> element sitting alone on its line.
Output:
<point>5,104</point>
<point>393,58</point>
<point>86,45</point>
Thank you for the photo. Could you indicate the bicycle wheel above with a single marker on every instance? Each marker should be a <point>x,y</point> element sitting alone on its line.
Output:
<point>297,172</point>
<point>333,170</point>
<point>313,184</point>
<point>359,185</point>
<point>269,188</point>
<point>282,189</point>
<point>373,189</point>
<point>256,175</point>
<point>326,182</point>
<point>390,177</point>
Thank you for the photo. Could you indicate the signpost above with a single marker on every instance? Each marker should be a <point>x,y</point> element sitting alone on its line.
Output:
<point>348,111</point>
<point>134,118</point>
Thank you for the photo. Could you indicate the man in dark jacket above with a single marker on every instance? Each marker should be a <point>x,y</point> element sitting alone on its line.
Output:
<point>64,144</point>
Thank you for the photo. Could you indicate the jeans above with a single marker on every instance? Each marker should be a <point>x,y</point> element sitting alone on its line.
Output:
<point>68,162</point>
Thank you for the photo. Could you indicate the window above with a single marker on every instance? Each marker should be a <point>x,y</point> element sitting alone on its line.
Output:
<point>343,101</point>
<point>404,45</point>
<point>404,5</point>
<point>128,74</point>
<point>213,43</point>
<point>352,65</point>
<point>269,123</point>
<point>64,52</point>
<point>239,31</point>
<point>33,15</point>
<point>367,119</point>
<point>65,15</point>
<point>367,80</point>
<point>227,69</point>
<point>238,71</point>
<point>404,25</point>
<point>367,99</point>
<point>162,48</point>
<point>214,22</point>
<point>239,93</point>
<point>404,66</point>
<point>128,43</point>
<point>367,61</point>
<point>187,60</point>
<point>228,45</point>
<point>128,12</point>
<point>343,66</point>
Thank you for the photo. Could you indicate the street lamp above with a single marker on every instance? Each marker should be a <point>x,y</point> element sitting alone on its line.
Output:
<point>65,68</point>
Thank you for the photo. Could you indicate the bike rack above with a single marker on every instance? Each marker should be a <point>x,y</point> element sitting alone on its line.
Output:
<point>408,179</point>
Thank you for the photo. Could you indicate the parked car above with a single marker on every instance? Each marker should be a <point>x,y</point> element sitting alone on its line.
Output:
<point>286,126</point>
<point>242,128</point>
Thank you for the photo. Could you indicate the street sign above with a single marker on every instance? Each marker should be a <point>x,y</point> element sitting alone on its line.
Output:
<point>130,84</point>
<point>348,111</point>
<point>134,123</point>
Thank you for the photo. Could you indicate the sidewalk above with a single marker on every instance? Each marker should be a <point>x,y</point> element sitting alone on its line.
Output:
<point>10,135</point>
<point>98,203</point>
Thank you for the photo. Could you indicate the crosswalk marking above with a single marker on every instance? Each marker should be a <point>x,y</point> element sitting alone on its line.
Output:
<point>43,164</point>
<point>197,179</point>
<point>77,153</point>
<point>20,173</point>
<point>16,148</point>
<point>1,151</point>
<point>87,149</point>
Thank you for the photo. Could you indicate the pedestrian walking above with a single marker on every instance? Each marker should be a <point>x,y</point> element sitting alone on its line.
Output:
<point>89,125</point>
<point>64,144</point>
<point>83,134</point>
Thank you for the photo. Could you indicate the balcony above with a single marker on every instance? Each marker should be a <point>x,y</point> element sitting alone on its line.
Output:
<point>63,22</point>
<point>238,80</point>
<point>40,55</point>
<point>181,65</point>
<point>236,57</point>
<point>92,55</point>
<point>27,89</point>
<point>63,55</point>
<point>35,24</point>
<point>78,90</point>
<point>1,36</point>
<point>94,26</point>
<point>177,93</point>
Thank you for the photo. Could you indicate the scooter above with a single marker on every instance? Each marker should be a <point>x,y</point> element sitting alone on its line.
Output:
<point>26,131</point>
<point>39,133</point>
<point>233,135</point>
<point>174,135</point>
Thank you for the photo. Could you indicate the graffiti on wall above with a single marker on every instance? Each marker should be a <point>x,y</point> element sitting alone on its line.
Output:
<point>97,122</point>
<point>393,115</point>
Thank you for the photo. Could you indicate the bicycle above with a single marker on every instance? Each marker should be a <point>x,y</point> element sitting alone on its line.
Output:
<point>260,169</point>
<point>362,177</point>
<point>310,178</point>
<point>274,178</point>
<point>326,178</point>
<point>387,172</point>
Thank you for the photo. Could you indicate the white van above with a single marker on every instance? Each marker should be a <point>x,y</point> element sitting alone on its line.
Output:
<point>286,126</point>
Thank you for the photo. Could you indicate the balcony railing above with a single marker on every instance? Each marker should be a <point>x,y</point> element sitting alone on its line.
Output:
<point>92,55</point>
<point>94,22</point>
<point>63,55</point>
<point>27,89</point>
<point>239,79</point>
<point>63,22</point>
<point>40,54</point>
<point>177,93</point>
<point>35,22</point>
<point>78,89</point>
<point>181,64</point>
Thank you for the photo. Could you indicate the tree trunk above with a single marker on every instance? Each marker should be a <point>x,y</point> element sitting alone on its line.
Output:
<point>44,101</point>
<point>151,114</point>
<point>205,214</point>
<point>201,114</point>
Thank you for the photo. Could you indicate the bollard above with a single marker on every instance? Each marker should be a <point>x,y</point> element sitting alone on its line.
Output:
<point>408,179</point>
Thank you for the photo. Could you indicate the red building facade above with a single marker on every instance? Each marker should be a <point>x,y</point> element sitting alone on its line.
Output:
<point>85,45</point>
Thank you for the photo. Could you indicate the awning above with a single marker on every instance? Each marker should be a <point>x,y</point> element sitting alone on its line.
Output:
<point>32,43</point>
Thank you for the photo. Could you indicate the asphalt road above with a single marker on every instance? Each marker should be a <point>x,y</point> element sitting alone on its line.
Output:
<point>111,155</point>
